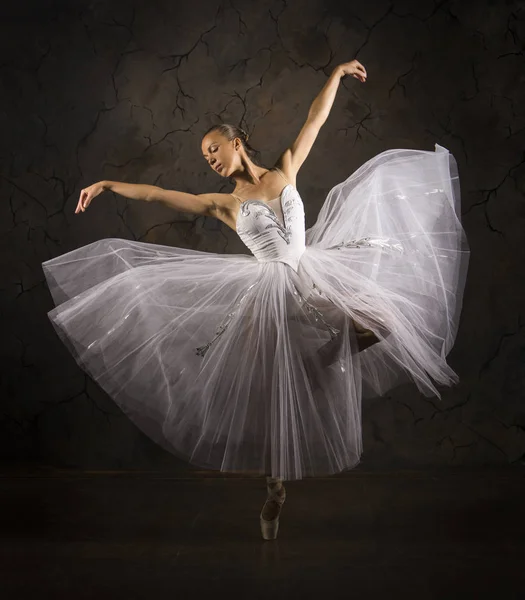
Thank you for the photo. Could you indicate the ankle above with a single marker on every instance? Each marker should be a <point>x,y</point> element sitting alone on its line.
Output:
<point>274,484</point>
<point>273,480</point>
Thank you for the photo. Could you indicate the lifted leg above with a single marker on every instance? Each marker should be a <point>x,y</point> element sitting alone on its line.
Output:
<point>365,339</point>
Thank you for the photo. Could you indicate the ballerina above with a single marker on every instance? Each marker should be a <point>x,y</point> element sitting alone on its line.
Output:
<point>259,363</point>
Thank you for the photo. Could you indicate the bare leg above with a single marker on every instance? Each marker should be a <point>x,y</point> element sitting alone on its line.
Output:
<point>334,315</point>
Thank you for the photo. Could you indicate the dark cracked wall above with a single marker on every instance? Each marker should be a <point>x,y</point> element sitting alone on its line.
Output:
<point>124,91</point>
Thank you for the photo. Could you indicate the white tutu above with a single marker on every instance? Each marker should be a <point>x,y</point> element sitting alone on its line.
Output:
<point>218,357</point>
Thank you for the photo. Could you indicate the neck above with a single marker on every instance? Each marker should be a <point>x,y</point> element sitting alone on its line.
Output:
<point>250,175</point>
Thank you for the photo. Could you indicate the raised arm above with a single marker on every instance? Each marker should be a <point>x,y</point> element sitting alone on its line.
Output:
<point>293,157</point>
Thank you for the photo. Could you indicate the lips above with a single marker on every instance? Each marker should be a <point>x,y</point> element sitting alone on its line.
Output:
<point>218,167</point>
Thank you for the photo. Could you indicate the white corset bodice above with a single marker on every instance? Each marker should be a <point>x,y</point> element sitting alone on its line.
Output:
<point>274,230</point>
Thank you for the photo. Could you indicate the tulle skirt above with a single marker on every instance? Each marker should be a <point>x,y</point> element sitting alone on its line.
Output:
<point>244,366</point>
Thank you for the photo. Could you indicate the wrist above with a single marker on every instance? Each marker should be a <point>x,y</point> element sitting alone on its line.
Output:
<point>337,72</point>
<point>106,185</point>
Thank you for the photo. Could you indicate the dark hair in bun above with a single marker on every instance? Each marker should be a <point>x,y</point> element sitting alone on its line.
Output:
<point>230,132</point>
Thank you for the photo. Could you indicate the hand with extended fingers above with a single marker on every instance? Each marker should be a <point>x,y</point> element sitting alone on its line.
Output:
<point>354,68</point>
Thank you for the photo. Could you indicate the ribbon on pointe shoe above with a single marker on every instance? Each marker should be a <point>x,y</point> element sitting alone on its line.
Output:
<point>276,490</point>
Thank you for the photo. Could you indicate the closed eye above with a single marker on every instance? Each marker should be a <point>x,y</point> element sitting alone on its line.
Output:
<point>214,150</point>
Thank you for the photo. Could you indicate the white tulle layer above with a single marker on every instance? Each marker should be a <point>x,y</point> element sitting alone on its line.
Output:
<point>259,395</point>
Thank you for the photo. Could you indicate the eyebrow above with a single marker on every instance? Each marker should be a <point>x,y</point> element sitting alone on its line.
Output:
<point>210,147</point>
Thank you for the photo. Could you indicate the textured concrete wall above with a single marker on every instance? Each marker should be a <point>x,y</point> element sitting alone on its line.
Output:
<point>124,91</point>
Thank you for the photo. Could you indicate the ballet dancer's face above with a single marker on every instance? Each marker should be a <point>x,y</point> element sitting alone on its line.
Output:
<point>222,155</point>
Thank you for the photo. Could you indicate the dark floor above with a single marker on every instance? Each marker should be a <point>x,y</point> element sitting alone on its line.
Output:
<point>404,534</point>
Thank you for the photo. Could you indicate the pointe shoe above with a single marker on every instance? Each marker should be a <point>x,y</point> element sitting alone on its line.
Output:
<point>366,339</point>
<point>269,529</point>
<point>328,352</point>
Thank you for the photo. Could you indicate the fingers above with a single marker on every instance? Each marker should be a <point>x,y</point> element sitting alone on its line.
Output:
<point>82,202</point>
<point>360,71</point>
<point>79,205</point>
<point>360,67</point>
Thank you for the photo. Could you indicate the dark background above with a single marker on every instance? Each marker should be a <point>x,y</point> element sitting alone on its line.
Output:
<point>125,90</point>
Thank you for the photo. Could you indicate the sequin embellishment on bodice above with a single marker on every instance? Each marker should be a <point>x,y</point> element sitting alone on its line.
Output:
<point>274,230</point>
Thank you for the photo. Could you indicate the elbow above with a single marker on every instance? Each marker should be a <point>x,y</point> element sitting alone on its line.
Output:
<point>153,194</point>
<point>318,117</point>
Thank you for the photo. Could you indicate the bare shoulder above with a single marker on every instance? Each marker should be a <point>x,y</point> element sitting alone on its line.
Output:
<point>285,164</point>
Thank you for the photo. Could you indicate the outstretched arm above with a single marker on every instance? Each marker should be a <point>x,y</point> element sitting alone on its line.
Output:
<point>200,204</point>
<point>292,158</point>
